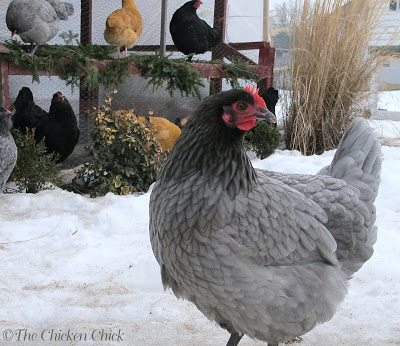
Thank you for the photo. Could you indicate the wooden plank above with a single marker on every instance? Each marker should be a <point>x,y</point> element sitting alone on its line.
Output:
<point>5,97</point>
<point>266,59</point>
<point>249,45</point>
<point>232,54</point>
<point>220,12</point>
<point>4,49</point>
<point>172,48</point>
<point>14,70</point>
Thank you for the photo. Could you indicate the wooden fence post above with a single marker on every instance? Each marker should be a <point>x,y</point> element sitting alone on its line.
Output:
<point>220,12</point>
<point>87,98</point>
<point>5,97</point>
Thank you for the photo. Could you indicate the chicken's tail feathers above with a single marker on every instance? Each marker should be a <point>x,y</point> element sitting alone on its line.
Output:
<point>63,9</point>
<point>358,159</point>
<point>69,8</point>
<point>216,36</point>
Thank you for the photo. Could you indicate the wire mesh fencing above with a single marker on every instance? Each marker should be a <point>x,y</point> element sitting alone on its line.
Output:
<point>239,22</point>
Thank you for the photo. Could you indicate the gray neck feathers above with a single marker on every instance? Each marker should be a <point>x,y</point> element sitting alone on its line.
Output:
<point>215,151</point>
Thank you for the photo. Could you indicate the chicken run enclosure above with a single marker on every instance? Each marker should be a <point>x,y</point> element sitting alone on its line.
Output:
<point>243,52</point>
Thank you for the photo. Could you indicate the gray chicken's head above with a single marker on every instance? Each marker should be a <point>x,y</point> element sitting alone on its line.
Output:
<point>5,119</point>
<point>235,110</point>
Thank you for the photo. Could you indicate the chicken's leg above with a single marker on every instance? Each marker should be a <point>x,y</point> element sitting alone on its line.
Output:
<point>189,57</point>
<point>126,52</point>
<point>234,339</point>
<point>32,49</point>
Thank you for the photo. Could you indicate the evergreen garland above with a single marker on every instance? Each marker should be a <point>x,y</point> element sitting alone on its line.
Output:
<point>76,64</point>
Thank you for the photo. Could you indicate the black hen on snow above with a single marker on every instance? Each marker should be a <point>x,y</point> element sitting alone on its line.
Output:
<point>62,131</point>
<point>28,115</point>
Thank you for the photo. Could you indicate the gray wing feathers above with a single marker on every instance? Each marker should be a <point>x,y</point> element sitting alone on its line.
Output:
<point>277,225</point>
<point>8,158</point>
<point>20,13</point>
<point>63,9</point>
<point>346,191</point>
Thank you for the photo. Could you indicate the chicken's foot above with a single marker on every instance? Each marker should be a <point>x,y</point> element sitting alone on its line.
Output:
<point>189,57</point>
<point>234,339</point>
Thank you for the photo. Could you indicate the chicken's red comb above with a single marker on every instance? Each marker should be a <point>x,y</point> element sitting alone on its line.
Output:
<point>253,91</point>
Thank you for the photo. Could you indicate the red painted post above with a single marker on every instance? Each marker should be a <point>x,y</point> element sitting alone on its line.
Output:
<point>220,12</point>
<point>5,98</point>
<point>266,58</point>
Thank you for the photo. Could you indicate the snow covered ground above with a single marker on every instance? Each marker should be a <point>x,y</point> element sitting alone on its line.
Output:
<point>69,262</point>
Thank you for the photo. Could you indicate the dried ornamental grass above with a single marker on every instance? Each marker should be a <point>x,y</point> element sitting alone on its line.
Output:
<point>330,70</point>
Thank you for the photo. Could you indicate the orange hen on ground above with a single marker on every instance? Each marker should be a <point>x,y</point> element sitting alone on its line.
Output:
<point>124,26</point>
<point>165,131</point>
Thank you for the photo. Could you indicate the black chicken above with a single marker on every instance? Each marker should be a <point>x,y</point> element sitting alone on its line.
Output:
<point>62,131</point>
<point>29,115</point>
<point>271,97</point>
<point>192,35</point>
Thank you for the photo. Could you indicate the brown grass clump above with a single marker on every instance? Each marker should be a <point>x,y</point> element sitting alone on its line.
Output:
<point>330,70</point>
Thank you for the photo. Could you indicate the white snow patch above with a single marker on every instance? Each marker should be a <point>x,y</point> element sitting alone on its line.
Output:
<point>73,262</point>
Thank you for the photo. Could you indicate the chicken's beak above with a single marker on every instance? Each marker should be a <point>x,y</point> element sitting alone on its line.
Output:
<point>264,114</point>
<point>5,110</point>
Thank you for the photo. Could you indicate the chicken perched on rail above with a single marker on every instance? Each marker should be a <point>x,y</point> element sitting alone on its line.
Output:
<point>36,21</point>
<point>124,26</point>
<point>8,149</point>
<point>192,35</point>
<point>261,253</point>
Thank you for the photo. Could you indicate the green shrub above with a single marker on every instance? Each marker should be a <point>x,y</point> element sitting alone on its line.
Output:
<point>263,139</point>
<point>35,167</point>
<point>126,156</point>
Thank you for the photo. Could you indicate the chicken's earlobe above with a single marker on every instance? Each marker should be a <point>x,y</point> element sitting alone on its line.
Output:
<point>228,116</point>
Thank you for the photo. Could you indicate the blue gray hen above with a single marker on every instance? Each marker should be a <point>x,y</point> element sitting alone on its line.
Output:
<point>264,254</point>
<point>8,149</point>
<point>36,21</point>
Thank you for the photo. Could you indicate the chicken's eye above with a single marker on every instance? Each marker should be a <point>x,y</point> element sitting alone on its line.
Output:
<point>241,106</point>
